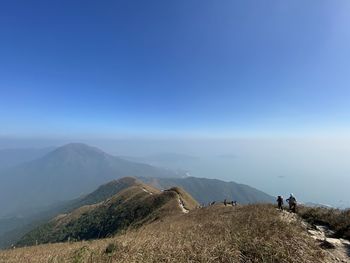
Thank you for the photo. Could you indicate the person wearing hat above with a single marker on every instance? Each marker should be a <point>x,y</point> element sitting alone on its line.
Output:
<point>292,201</point>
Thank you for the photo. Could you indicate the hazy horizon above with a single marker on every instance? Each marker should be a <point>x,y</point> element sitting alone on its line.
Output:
<point>315,170</point>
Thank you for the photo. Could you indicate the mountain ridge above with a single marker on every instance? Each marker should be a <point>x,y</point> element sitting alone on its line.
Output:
<point>133,206</point>
<point>30,222</point>
<point>206,190</point>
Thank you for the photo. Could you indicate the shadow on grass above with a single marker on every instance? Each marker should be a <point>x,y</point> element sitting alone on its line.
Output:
<point>348,250</point>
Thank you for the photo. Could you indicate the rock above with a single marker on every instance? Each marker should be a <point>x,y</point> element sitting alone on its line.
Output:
<point>345,242</point>
<point>334,241</point>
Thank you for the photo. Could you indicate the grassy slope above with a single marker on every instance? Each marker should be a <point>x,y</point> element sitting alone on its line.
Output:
<point>27,224</point>
<point>131,207</point>
<point>254,233</point>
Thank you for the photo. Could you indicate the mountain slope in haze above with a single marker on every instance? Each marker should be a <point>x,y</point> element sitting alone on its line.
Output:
<point>65,173</point>
<point>132,207</point>
<point>13,157</point>
<point>12,229</point>
<point>207,190</point>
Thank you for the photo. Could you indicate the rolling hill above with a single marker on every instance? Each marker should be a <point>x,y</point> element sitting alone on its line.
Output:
<point>134,206</point>
<point>204,190</point>
<point>14,228</point>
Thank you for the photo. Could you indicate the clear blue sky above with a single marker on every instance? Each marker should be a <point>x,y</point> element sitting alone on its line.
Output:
<point>174,67</point>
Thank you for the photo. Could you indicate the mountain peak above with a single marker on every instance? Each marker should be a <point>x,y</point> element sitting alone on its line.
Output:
<point>74,152</point>
<point>79,147</point>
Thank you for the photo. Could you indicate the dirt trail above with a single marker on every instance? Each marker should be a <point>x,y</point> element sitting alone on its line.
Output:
<point>145,190</point>
<point>182,206</point>
<point>336,249</point>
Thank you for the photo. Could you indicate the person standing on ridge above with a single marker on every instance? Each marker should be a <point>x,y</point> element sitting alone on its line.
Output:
<point>280,202</point>
<point>292,201</point>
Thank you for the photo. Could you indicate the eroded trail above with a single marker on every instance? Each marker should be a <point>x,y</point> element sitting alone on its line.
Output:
<point>336,249</point>
<point>145,190</point>
<point>182,206</point>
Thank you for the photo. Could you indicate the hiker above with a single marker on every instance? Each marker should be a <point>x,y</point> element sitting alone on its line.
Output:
<point>225,202</point>
<point>292,201</point>
<point>280,202</point>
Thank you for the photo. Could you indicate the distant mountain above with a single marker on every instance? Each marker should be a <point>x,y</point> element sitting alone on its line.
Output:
<point>312,204</point>
<point>65,173</point>
<point>13,157</point>
<point>207,190</point>
<point>131,207</point>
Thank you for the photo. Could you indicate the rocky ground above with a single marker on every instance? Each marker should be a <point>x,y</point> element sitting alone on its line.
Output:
<point>336,249</point>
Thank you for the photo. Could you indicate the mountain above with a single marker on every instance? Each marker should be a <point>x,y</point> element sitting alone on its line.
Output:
<point>207,190</point>
<point>65,173</point>
<point>12,157</point>
<point>134,206</point>
<point>12,229</point>
<point>202,189</point>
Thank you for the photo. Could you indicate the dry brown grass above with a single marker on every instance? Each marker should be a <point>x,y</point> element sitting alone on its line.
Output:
<point>254,233</point>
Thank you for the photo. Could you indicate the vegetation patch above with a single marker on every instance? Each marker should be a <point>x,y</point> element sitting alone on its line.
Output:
<point>131,208</point>
<point>336,219</point>
<point>81,255</point>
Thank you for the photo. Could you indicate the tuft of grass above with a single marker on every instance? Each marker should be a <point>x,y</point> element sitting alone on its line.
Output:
<point>80,255</point>
<point>337,220</point>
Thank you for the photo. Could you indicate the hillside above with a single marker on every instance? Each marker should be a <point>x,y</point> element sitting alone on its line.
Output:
<point>207,190</point>
<point>14,228</point>
<point>204,190</point>
<point>131,207</point>
<point>63,174</point>
<point>253,233</point>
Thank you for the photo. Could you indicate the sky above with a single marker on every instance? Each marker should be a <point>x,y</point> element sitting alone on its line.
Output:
<point>174,68</point>
<point>265,81</point>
